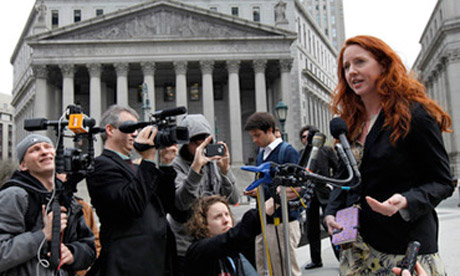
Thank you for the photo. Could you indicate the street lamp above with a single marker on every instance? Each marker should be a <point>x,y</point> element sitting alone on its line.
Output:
<point>281,112</point>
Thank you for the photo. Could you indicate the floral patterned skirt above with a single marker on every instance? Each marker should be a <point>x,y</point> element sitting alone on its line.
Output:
<point>360,258</point>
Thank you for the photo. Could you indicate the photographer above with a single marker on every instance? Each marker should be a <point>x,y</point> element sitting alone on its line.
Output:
<point>25,230</point>
<point>131,202</point>
<point>197,176</point>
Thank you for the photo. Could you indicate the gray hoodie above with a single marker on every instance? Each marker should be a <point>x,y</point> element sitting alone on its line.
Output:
<point>191,185</point>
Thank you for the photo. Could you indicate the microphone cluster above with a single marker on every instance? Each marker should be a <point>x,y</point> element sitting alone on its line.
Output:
<point>303,174</point>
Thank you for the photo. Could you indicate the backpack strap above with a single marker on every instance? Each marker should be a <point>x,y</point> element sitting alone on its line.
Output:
<point>282,152</point>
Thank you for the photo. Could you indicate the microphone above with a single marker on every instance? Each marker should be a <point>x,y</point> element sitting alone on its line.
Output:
<point>307,150</point>
<point>169,112</point>
<point>317,143</point>
<point>41,124</point>
<point>130,126</point>
<point>339,130</point>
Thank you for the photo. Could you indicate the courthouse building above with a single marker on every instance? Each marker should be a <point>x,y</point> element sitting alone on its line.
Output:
<point>225,59</point>
<point>438,66</point>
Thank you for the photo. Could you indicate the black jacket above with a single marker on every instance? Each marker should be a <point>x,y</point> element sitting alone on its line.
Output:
<point>209,256</point>
<point>418,168</point>
<point>135,237</point>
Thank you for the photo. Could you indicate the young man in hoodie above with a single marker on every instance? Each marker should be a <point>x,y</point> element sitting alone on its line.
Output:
<point>197,176</point>
<point>25,230</point>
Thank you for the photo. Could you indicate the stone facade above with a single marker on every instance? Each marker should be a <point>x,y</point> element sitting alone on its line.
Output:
<point>438,66</point>
<point>190,53</point>
<point>7,149</point>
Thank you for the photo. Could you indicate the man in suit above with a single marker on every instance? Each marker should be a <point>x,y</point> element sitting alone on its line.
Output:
<point>326,164</point>
<point>131,202</point>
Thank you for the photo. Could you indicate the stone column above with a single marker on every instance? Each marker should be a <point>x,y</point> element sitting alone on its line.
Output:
<point>68,71</point>
<point>122,83</point>
<point>261,93</point>
<point>41,91</point>
<point>148,69</point>
<point>181,83</point>
<point>285,66</point>
<point>95,100</point>
<point>208,92</point>
<point>236,144</point>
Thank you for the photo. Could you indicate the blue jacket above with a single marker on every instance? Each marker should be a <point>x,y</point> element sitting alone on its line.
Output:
<point>290,155</point>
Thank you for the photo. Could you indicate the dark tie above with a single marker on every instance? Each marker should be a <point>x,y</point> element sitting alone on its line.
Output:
<point>130,164</point>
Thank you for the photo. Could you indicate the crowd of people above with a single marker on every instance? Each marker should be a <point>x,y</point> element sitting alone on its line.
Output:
<point>169,214</point>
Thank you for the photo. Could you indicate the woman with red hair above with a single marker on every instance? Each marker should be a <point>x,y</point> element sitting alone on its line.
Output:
<point>395,132</point>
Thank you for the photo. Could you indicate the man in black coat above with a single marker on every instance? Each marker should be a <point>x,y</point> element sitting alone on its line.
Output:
<point>326,165</point>
<point>131,202</point>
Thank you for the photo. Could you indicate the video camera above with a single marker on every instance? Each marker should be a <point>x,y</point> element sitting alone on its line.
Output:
<point>70,160</point>
<point>168,133</point>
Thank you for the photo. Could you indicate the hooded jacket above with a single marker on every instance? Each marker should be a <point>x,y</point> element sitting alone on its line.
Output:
<point>19,245</point>
<point>191,185</point>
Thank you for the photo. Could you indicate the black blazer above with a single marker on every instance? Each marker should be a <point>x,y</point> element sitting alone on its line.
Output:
<point>418,168</point>
<point>135,236</point>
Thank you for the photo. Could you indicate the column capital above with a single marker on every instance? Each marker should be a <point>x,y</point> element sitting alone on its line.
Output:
<point>40,71</point>
<point>286,65</point>
<point>148,68</point>
<point>233,66</point>
<point>94,69</point>
<point>67,70</point>
<point>207,66</point>
<point>259,65</point>
<point>180,67</point>
<point>121,69</point>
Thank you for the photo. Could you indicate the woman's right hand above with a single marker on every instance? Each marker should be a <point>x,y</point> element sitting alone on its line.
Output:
<point>332,224</point>
<point>418,268</point>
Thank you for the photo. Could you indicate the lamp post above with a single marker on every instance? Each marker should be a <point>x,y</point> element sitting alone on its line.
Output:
<point>281,110</point>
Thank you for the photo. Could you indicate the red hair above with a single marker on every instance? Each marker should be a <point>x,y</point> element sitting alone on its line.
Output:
<point>396,88</point>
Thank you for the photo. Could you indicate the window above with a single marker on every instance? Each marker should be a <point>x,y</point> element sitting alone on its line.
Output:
<point>213,9</point>
<point>256,14</point>
<point>54,19</point>
<point>235,11</point>
<point>10,141</point>
<point>333,19</point>
<point>76,15</point>
<point>99,12</point>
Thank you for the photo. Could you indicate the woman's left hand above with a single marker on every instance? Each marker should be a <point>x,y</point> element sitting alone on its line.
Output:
<point>390,206</point>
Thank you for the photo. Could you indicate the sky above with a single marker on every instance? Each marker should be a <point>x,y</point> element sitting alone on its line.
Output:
<point>399,23</point>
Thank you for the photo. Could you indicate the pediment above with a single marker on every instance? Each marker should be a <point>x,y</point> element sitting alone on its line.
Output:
<point>162,20</point>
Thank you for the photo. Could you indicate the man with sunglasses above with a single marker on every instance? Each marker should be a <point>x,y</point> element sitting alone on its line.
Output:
<point>326,165</point>
<point>198,175</point>
<point>132,201</point>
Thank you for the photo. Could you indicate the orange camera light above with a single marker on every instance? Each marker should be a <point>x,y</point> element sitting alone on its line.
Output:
<point>76,123</point>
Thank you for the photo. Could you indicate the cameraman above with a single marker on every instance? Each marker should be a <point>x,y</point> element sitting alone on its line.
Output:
<point>197,176</point>
<point>131,202</point>
<point>25,230</point>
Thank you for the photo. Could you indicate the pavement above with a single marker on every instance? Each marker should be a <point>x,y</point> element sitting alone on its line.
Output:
<point>449,241</point>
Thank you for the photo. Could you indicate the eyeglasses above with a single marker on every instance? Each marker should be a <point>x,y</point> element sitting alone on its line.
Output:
<point>304,136</point>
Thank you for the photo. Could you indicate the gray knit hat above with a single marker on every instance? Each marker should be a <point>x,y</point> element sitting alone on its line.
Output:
<point>29,141</point>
